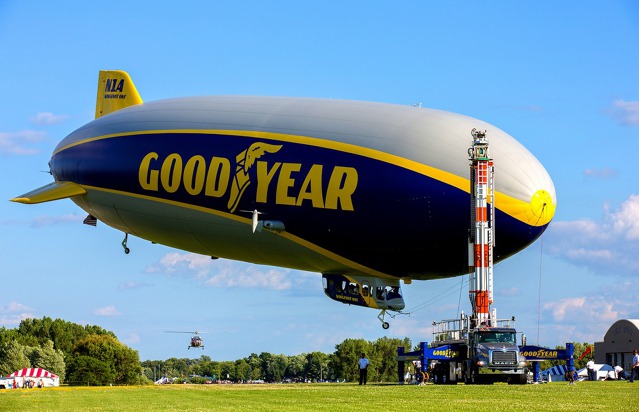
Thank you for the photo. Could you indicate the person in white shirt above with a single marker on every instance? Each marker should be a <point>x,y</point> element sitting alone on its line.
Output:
<point>592,373</point>
<point>635,366</point>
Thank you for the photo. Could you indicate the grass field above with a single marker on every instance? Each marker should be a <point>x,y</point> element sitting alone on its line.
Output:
<point>583,396</point>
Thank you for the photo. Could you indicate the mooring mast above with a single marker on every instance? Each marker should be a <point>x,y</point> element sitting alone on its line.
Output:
<point>480,236</point>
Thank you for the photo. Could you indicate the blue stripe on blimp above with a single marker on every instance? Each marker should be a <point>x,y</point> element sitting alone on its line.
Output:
<point>380,214</point>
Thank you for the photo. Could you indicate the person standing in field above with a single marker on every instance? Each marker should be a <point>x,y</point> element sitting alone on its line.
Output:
<point>592,373</point>
<point>363,369</point>
<point>635,366</point>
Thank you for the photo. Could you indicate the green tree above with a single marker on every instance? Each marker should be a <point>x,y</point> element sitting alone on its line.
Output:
<point>175,368</point>
<point>121,364</point>
<point>241,371</point>
<point>344,361</point>
<point>153,370</point>
<point>266,359</point>
<point>383,358</point>
<point>205,367</point>
<point>13,357</point>
<point>296,367</point>
<point>277,368</point>
<point>63,334</point>
<point>317,366</point>
<point>87,370</point>
<point>255,367</point>
<point>48,358</point>
<point>227,371</point>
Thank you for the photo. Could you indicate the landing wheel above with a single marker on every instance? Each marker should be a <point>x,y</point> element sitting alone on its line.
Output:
<point>124,242</point>
<point>381,315</point>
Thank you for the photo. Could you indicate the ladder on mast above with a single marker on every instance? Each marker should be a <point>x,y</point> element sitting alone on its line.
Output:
<point>481,240</point>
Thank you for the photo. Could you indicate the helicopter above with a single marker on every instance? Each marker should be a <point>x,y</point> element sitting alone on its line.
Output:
<point>196,339</point>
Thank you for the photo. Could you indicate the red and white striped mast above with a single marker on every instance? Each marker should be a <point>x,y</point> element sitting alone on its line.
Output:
<point>481,228</point>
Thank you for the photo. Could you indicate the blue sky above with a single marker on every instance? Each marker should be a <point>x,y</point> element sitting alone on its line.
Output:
<point>560,77</point>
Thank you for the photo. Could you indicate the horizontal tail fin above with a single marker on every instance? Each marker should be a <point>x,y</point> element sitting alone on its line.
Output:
<point>115,91</point>
<point>52,191</point>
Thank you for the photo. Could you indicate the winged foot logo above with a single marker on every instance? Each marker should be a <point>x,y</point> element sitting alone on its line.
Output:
<point>244,161</point>
<point>282,183</point>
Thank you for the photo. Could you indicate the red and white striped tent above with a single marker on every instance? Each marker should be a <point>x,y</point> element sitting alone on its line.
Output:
<point>48,378</point>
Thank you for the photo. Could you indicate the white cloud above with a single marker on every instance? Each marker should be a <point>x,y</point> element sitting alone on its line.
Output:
<point>510,291</point>
<point>626,221</point>
<point>131,285</point>
<point>20,143</point>
<point>626,112</point>
<point>250,277</point>
<point>593,309</point>
<point>606,247</point>
<point>222,273</point>
<point>48,118</point>
<point>42,221</point>
<point>15,319</point>
<point>109,310</point>
<point>15,307</point>
<point>584,318</point>
<point>13,313</point>
<point>604,173</point>
<point>560,308</point>
<point>133,338</point>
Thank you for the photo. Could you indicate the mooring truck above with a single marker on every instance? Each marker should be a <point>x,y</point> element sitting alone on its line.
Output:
<point>479,348</point>
<point>464,351</point>
<point>476,348</point>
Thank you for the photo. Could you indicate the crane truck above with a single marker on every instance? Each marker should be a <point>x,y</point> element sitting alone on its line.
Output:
<point>478,348</point>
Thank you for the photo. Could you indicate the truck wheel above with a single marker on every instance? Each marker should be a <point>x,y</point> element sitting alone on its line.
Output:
<point>475,379</point>
<point>518,380</point>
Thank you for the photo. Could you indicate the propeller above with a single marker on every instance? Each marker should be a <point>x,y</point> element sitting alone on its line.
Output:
<point>254,221</point>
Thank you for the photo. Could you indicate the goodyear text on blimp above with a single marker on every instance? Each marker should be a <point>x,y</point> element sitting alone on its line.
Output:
<point>286,183</point>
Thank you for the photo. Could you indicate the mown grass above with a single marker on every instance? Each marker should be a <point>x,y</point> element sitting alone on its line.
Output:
<point>585,396</point>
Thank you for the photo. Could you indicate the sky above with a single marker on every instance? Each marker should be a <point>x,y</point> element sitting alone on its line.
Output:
<point>560,77</point>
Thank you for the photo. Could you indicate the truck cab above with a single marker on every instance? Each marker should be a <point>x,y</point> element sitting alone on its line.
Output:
<point>493,356</point>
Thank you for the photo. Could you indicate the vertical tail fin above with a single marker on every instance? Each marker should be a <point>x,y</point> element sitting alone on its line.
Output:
<point>115,91</point>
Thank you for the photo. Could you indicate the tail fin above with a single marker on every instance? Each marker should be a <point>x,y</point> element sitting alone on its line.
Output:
<point>115,91</point>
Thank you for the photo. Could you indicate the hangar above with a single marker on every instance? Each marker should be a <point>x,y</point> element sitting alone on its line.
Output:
<point>619,342</point>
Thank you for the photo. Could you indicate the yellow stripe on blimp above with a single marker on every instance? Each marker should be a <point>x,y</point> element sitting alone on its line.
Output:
<point>538,211</point>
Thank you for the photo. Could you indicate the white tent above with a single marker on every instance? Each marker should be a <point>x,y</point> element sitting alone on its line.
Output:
<point>35,374</point>
<point>602,371</point>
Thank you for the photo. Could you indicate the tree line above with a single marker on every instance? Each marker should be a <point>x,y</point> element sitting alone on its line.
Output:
<point>340,365</point>
<point>79,355</point>
<point>91,355</point>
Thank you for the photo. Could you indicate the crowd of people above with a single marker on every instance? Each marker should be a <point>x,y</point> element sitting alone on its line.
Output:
<point>617,373</point>
<point>27,383</point>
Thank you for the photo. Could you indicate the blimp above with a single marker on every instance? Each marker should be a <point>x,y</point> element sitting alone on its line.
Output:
<point>369,195</point>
